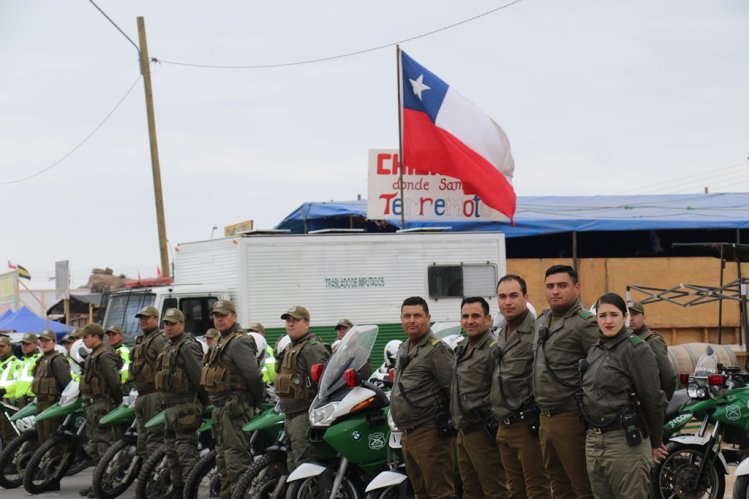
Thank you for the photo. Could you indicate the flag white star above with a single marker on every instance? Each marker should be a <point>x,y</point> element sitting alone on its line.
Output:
<point>418,86</point>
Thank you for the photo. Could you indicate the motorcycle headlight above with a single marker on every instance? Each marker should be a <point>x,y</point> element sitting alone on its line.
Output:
<point>25,424</point>
<point>696,391</point>
<point>323,416</point>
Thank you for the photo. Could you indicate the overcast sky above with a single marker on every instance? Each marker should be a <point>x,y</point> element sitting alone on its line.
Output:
<point>596,96</point>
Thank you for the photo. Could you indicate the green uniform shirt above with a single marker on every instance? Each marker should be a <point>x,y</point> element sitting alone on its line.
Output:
<point>189,360</point>
<point>422,387</point>
<point>156,346</point>
<point>513,365</point>
<point>665,370</point>
<point>471,382</point>
<point>241,357</point>
<point>618,366</point>
<point>106,368</point>
<point>568,339</point>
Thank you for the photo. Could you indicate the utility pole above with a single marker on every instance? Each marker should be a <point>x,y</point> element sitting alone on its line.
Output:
<point>145,70</point>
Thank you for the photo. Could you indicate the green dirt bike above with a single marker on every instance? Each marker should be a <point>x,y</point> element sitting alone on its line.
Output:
<point>348,415</point>
<point>266,477</point>
<point>204,480</point>
<point>63,453</point>
<point>154,481</point>
<point>120,464</point>
<point>17,453</point>
<point>697,464</point>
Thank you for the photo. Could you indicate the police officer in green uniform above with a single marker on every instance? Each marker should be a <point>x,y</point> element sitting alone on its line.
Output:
<point>623,404</point>
<point>656,342</point>
<point>51,375</point>
<point>178,380</point>
<point>512,397</point>
<point>101,390</point>
<point>9,364</point>
<point>294,386</point>
<point>114,337</point>
<point>231,376</point>
<point>142,373</point>
<point>419,404</point>
<point>564,335</point>
<point>470,408</point>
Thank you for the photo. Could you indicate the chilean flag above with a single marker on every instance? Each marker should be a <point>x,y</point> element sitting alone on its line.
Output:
<point>445,133</point>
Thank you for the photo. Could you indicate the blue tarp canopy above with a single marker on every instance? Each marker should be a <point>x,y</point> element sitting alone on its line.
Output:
<point>538,215</point>
<point>24,320</point>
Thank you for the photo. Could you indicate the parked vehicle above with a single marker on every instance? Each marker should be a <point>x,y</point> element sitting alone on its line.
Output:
<point>697,465</point>
<point>120,464</point>
<point>348,415</point>
<point>62,454</point>
<point>17,453</point>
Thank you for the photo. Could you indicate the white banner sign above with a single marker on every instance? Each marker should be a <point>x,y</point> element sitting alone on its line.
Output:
<point>62,279</point>
<point>427,196</point>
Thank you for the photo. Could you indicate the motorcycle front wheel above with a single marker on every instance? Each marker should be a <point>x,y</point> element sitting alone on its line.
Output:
<point>678,474</point>
<point>116,470</point>
<point>308,488</point>
<point>203,480</point>
<point>741,488</point>
<point>262,477</point>
<point>154,481</point>
<point>48,464</point>
<point>14,458</point>
<point>400,491</point>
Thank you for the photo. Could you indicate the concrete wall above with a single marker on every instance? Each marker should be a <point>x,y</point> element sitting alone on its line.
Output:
<point>677,324</point>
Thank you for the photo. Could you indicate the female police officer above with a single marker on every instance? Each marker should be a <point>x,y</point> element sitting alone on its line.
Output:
<point>622,404</point>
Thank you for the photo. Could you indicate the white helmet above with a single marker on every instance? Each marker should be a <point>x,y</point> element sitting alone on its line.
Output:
<point>391,351</point>
<point>261,344</point>
<point>79,351</point>
<point>282,344</point>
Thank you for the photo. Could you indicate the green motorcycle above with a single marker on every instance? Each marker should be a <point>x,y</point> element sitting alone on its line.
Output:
<point>17,453</point>
<point>62,454</point>
<point>348,415</point>
<point>204,481</point>
<point>120,464</point>
<point>154,481</point>
<point>697,465</point>
<point>266,477</point>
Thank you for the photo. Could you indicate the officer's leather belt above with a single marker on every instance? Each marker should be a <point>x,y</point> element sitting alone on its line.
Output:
<point>600,430</point>
<point>172,403</point>
<point>512,418</point>
<point>90,401</point>
<point>146,391</point>
<point>568,406</point>
<point>221,401</point>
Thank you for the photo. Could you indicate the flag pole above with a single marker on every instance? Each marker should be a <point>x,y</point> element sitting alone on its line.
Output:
<point>400,136</point>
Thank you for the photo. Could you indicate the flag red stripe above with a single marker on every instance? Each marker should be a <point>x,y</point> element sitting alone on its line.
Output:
<point>426,146</point>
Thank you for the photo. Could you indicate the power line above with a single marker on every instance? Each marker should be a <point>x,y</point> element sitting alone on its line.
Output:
<point>656,187</point>
<point>85,139</point>
<point>340,56</point>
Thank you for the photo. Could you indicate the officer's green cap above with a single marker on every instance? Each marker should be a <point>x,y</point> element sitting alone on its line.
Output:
<point>636,307</point>
<point>297,312</point>
<point>256,328</point>
<point>68,338</point>
<point>344,323</point>
<point>76,334</point>
<point>174,315</point>
<point>148,312</point>
<point>4,340</point>
<point>223,307</point>
<point>29,338</point>
<point>48,335</point>
<point>212,333</point>
<point>94,329</point>
<point>113,330</point>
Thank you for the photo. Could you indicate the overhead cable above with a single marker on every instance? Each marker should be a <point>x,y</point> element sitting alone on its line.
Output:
<point>338,56</point>
<point>85,139</point>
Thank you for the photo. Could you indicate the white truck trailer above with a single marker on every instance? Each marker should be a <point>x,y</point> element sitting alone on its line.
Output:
<point>362,277</point>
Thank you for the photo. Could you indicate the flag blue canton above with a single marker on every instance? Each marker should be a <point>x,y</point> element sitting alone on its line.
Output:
<point>431,99</point>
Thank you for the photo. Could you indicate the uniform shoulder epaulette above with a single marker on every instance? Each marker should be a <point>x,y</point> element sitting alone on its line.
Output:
<point>584,313</point>
<point>313,341</point>
<point>635,340</point>
<point>436,341</point>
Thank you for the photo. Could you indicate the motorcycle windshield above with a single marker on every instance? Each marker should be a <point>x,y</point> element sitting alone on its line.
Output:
<point>352,353</point>
<point>69,394</point>
<point>707,363</point>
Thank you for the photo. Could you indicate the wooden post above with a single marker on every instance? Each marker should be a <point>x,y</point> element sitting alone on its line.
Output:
<point>146,72</point>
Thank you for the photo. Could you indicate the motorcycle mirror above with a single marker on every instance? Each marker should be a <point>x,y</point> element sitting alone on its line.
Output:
<point>351,377</point>
<point>315,372</point>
